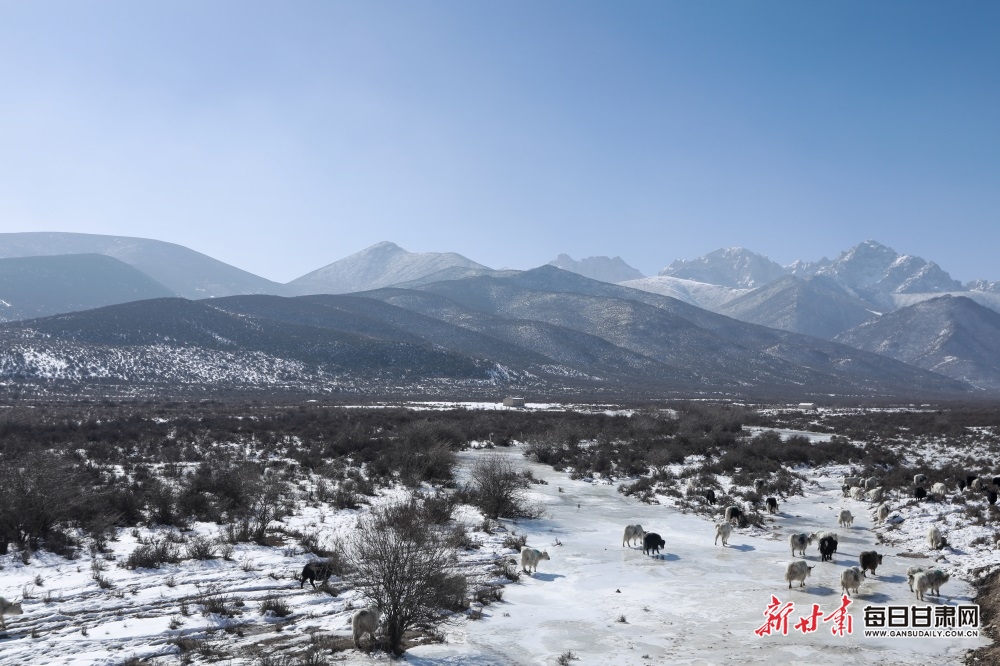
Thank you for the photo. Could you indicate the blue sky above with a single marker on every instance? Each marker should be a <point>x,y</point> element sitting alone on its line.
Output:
<point>280,137</point>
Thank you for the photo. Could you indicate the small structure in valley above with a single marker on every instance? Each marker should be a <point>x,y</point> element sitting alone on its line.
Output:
<point>511,401</point>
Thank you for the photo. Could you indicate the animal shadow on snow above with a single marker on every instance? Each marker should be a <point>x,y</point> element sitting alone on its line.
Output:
<point>819,590</point>
<point>743,548</point>
<point>875,597</point>
<point>667,557</point>
<point>546,576</point>
<point>896,578</point>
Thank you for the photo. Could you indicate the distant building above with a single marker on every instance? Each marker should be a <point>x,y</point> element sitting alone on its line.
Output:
<point>510,401</point>
<point>807,406</point>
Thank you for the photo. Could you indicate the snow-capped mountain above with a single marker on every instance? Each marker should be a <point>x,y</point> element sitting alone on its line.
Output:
<point>873,268</point>
<point>181,270</point>
<point>984,286</point>
<point>381,265</point>
<point>953,336</point>
<point>815,306</point>
<point>734,267</point>
<point>704,295</point>
<point>605,269</point>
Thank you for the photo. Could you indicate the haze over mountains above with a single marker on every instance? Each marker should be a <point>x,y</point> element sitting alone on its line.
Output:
<point>732,322</point>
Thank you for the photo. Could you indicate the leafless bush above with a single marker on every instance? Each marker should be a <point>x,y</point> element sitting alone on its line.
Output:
<point>400,564</point>
<point>500,487</point>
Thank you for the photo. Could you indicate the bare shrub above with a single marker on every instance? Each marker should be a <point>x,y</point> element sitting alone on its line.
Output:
<point>401,565</point>
<point>274,605</point>
<point>152,555</point>
<point>500,487</point>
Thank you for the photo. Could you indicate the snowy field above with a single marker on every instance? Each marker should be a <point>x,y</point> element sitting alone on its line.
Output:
<point>695,603</point>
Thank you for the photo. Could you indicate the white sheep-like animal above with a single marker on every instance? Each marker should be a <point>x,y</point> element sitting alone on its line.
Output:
<point>9,608</point>
<point>929,580</point>
<point>977,484</point>
<point>871,482</point>
<point>633,532</point>
<point>846,518</point>
<point>939,490</point>
<point>364,621</point>
<point>531,556</point>
<point>919,478</point>
<point>723,529</point>
<point>857,493</point>
<point>691,488</point>
<point>816,536</point>
<point>882,512</point>
<point>798,570</point>
<point>911,573</point>
<point>853,480</point>
<point>934,539</point>
<point>874,495</point>
<point>850,579</point>
<point>799,542</point>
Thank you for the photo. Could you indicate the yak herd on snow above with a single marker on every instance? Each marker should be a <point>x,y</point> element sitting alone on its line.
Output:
<point>921,579</point>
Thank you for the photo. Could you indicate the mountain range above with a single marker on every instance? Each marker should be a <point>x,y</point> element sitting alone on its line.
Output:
<point>731,322</point>
<point>540,330</point>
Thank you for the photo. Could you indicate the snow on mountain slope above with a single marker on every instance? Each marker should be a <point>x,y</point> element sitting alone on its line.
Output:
<point>185,272</point>
<point>701,294</point>
<point>605,269</point>
<point>734,267</point>
<point>381,265</point>
<point>953,336</point>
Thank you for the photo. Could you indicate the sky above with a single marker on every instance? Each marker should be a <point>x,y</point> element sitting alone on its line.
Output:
<point>280,137</point>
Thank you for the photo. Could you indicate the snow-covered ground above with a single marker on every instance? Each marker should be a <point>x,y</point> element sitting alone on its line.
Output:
<point>694,603</point>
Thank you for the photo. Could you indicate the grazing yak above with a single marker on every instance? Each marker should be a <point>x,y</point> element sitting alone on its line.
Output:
<point>919,493</point>
<point>919,478</point>
<point>364,621</point>
<point>934,539</point>
<point>772,504</point>
<point>652,542</point>
<point>531,556</point>
<point>723,530</point>
<point>710,495</point>
<point>799,542</point>
<point>991,496</point>
<point>870,560</point>
<point>977,484</point>
<point>850,579</point>
<point>846,518</point>
<point>827,547</point>
<point>929,580</point>
<point>734,513</point>
<point>798,570</point>
<point>9,608</point>
<point>632,532</point>
<point>939,490</point>
<point>316,569</point>
<point>911,573</point>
